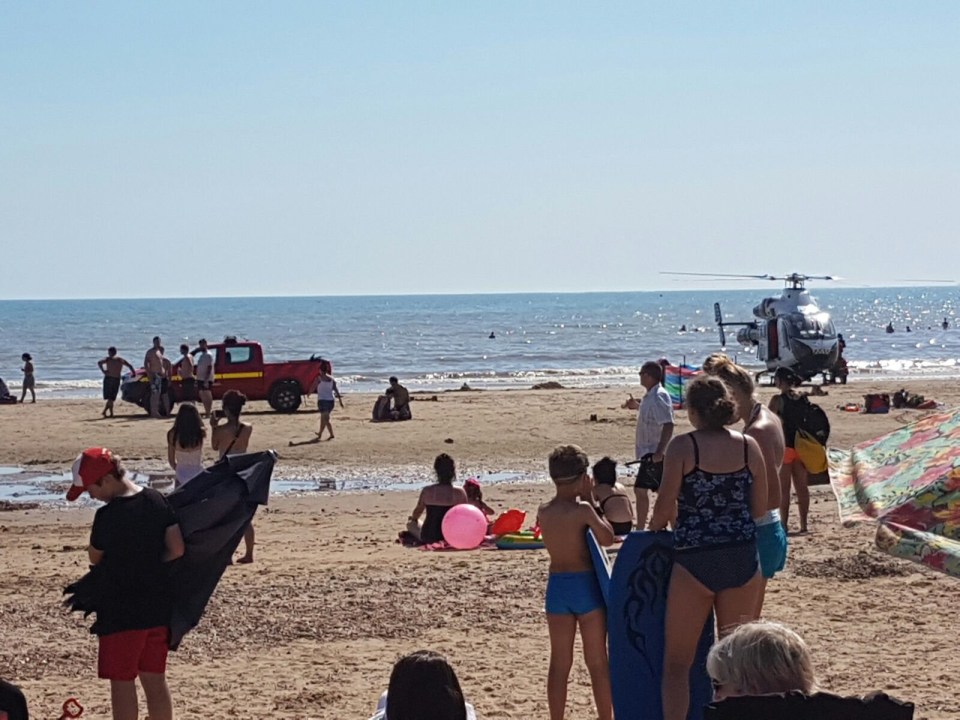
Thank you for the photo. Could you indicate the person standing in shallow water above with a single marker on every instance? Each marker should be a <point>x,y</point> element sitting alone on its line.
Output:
<point>29,381</point>
<point>112,368</point>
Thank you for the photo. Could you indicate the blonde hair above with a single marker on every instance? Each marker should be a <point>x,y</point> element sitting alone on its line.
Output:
<point>761,658</point>
<point>735,377</point>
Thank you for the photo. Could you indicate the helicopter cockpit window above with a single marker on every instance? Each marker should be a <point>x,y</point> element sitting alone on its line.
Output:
<point>813,327</point>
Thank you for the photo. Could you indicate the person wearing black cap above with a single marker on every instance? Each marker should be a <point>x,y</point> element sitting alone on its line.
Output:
<point>788,405</point>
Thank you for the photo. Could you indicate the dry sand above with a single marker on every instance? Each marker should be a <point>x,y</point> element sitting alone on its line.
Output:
<point>312,628</point>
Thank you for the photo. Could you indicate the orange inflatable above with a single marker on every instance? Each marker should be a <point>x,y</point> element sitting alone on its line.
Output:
<point>509,522</point>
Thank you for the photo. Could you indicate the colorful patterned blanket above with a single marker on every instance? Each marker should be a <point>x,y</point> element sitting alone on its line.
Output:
<point>908,482</point>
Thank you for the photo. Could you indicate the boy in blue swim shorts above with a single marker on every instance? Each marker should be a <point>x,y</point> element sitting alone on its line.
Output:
<point>573,593</point>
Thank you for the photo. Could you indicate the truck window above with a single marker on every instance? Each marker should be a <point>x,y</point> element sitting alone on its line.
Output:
<point>237,354</point>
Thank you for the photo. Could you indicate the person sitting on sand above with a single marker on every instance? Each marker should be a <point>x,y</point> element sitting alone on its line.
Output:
<point>436,500</point>
<point>401,401</point>
<point>613,501</point>
<point>573,597</point>
<point>232,438</point>
<point>475,495</point>
<point>185,444</point>
<point>423,686</point>
<point>760,658</point>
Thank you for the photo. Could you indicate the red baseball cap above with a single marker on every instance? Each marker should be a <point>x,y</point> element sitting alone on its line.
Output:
<point>88,468</point>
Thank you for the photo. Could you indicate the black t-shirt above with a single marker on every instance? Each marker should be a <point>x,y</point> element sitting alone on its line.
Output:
<point>13,706</point>
<point>130,531</point>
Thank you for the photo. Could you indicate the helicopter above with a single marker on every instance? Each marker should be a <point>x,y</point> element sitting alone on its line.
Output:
<point>789,331</point>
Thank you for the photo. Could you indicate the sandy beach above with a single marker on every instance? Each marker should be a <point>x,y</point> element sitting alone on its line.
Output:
<point>312,628</point>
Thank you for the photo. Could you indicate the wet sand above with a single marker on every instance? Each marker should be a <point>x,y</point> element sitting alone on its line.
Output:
<point>312,628</point>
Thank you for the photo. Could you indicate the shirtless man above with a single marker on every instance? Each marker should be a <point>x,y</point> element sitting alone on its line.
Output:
<point>112,368</point>
<point>188,382</point>
<point>401,401</point>
<point>573,595</point>
<point>153,364</point>
<point>204,373</point>
<point>763,425</point>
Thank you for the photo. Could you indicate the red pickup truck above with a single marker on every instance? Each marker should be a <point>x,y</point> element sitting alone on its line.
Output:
<point>240,366</point>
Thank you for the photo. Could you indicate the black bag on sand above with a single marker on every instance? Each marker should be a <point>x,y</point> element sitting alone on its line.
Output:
<point>819,706</point>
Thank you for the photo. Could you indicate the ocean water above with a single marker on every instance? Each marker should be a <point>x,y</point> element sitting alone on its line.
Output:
<point>437,342</point>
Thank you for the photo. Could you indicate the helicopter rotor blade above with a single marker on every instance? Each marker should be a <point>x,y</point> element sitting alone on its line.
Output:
<point>722,275</point>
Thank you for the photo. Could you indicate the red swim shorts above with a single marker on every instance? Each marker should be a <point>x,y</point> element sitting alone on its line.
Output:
<point>124,655</point>
<point>790,456</point>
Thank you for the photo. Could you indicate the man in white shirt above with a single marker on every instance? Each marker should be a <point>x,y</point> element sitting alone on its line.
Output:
<point>204,372</point>
<point>654,430</point>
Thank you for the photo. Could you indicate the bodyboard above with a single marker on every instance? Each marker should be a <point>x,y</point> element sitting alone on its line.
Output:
<point>636,612</point>
<point>602,565</point>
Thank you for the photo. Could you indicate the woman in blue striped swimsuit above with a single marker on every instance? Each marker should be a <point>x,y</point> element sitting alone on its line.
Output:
<point>714,485</point>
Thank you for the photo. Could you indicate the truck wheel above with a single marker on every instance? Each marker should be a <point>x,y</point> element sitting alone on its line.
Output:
<point>285,396</point>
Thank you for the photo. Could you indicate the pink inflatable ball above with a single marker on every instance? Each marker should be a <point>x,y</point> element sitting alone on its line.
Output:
<point>464,527</point>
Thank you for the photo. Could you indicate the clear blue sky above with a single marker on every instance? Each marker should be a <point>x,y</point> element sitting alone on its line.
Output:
<point>241,148</point>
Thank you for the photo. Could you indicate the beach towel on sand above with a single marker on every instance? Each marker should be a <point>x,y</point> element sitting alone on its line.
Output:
<point>213,510</point>
<point>908,483</point>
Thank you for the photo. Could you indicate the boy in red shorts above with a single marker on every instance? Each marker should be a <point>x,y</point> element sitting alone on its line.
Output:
<point>133,537</point>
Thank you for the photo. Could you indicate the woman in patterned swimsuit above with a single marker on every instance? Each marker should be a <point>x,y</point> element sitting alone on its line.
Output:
<point>714,485</point>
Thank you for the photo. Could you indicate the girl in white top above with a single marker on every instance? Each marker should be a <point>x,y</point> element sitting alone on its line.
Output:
<point>185,444</point>
<point>327,390</point>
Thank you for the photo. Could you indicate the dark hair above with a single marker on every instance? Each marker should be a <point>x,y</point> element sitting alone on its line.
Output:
<point>787,375</point>
<point>653,369</point>
<point>567,463</point>
<point>710,399</point>
<point>111,350</point>
<point>26,356</point>
<point>445,468</point>
<point>233,402</point>
<point>188,431</point>
<point>184,349</point>
<point>423,686</point>
<point>605,471</point>
<point>326,367</point>
<point>393,379</point>
<point>156,338</point>
<point>201,341</point>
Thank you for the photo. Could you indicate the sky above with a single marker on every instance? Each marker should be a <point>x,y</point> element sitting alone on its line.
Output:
<point>185,149</point>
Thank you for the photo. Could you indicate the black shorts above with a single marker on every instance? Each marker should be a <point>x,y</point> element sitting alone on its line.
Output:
<point>111,386</point>
<point>205,385</point>
<point>188,389</point>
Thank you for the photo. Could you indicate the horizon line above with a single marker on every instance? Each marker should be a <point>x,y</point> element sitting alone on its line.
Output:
<point>470,294</point>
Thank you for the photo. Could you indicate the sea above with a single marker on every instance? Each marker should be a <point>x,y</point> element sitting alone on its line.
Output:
<point>441,342</point>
